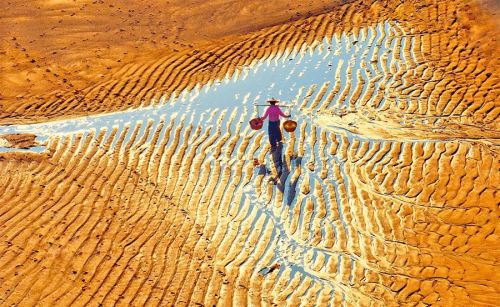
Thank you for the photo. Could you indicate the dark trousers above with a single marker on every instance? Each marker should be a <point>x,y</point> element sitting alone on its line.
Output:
<point>275,141</point>
<point>274,133</point>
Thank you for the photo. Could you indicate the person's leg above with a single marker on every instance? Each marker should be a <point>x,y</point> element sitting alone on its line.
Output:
<point>272,140</point>
<point>273,136</point>
<point>279,144</point>
<point>279,155</point>
<point>275,140</point>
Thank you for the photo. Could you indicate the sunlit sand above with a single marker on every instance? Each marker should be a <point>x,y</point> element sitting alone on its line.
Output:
<point>133,177</point>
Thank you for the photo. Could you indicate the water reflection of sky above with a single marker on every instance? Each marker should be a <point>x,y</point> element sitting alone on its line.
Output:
<point>287,77</point>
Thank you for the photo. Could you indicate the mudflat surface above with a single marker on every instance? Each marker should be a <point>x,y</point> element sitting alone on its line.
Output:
<point>59,47</point>
<point>148,187</point>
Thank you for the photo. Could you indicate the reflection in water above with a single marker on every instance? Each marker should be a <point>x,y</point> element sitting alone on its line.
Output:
<point>333,66</point>
<point>290,76</point>
<point>358,217</point>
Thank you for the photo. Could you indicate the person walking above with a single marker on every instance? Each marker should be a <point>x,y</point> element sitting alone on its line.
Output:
<point>275,138</point>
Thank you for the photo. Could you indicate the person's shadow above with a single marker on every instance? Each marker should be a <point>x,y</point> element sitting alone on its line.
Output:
<point>292,185</point>
<point>283,169</point>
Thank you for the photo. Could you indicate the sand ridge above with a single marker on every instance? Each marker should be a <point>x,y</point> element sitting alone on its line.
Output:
<point>54,48</point>
<point>134,85</point>
<point>363,228</point>
<point>174,209</point>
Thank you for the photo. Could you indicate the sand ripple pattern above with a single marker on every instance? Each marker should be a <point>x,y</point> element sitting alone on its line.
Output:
<point>173,210</point>
<point>446,79</point>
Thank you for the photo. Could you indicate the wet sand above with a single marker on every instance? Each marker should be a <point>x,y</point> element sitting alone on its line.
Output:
<point>389,194</point>
<point>60,48</point>
<point>152,73</point>
<point>23,141</point>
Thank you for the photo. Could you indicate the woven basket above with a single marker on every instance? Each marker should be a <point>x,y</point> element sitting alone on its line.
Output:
<point>290,125</point>
<point>256,123</point>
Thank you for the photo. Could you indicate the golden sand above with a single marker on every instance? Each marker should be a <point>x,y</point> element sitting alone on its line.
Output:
<point>388,198</point>
<point>18,140</point>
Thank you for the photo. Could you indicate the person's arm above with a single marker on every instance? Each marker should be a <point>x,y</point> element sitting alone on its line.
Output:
<point>283,114</point>
<point>265,114</point>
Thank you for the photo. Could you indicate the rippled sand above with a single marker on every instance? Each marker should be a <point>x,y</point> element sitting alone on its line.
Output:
<point>389,195</point>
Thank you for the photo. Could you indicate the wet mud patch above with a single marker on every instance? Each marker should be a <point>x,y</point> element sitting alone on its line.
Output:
<point>21,142</point>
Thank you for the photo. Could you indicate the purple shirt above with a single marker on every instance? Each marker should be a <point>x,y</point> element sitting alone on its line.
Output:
<point>274,113</point>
